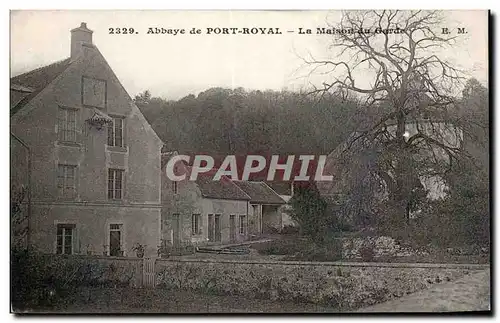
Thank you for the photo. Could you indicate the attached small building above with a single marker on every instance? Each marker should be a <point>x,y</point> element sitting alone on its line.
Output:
<point>204,211</point>
<point>265,215</point>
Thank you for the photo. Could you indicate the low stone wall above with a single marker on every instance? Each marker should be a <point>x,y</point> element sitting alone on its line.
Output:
<point>343,286</point>
<point>381,246</point>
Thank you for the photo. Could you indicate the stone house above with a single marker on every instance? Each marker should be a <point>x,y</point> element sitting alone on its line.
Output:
<point>340,163</point>
<point>265,207</point>
<point>94,187</point>
<point>204,211</point>
<point>351,168</point>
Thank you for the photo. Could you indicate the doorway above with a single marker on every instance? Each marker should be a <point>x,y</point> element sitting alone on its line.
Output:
<point>218,235</point>
<point>115,240</point>
<point>176,228</point>
<point>211,226</point>
<point>232,228</point>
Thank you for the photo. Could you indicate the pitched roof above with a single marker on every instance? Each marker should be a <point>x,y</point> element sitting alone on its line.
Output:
<point>224,188</point>
<point>26,86</point>
<point>166,156</point>
<point>260,192</point>
<point>281,187</point>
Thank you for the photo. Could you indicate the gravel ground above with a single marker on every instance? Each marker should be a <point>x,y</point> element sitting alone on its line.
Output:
<point>470,293</point>
<point>130,301</point>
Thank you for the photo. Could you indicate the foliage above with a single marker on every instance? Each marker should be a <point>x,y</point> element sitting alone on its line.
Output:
<point>328,251</point>
<point>41,280</point>
<point>222,121</point>
<point>290,229</point>
<point>280,247</point>
<point>367,253</point>
<point>411,100</point>
<point>139,249</point>
<point>463,217</point>
<point>308,209</point>
<point>164,249</point>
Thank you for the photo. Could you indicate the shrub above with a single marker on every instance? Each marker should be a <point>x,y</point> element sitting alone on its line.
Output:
<point>280,247</point>
<point>290,229</point>
<point>182,250</point>
<point>309,209</point>
<point>367,252</point>
<point>41,280</point>
<point>330,251</point>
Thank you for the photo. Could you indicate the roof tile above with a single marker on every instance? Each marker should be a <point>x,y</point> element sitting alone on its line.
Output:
<point>260,192</point>
<point>35,80</point>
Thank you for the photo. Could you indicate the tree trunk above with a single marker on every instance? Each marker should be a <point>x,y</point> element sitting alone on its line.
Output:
<point>401,159</point>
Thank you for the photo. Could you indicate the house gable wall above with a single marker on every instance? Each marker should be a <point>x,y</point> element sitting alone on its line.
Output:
<point>91,211</point>
<point>37,125</point>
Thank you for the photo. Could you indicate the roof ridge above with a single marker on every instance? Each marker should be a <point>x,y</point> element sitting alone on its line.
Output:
<point>239,188</point>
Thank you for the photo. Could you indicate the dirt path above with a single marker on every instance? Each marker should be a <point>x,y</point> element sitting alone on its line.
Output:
<point>470,293</point>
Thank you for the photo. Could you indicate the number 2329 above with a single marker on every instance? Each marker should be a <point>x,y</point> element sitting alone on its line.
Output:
<point>122,31</point>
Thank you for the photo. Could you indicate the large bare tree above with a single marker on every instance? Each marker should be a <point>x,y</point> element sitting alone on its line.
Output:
<point>396,63</point>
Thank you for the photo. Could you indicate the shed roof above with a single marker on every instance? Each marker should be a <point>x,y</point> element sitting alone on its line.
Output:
<point>224,188</point>
<point>260,192</point>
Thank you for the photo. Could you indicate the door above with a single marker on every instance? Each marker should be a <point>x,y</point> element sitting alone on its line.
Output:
<point>211,235</point>
<point>232,228</point>
<point>255,219</point>
<point>176,228</point>
<point>218,235</point>
<point>115,240</point>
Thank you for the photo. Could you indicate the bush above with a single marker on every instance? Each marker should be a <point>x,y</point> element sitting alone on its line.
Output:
<point>331,251</point>
<point>290,229</point>
<point>367,253</point>
<point>182,250</point>
<point>279,247</point>
<point>309,210</point>
<point>34,280</point>
<point>40,280</point>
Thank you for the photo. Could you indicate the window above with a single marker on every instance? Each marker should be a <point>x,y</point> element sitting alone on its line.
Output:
<point>93,92</point>
<point>196,224</point>
<point>243,224</point>
<point>115,240</point>
<point>115,133</point>
<point>115,184</point>
<point>67,125</point>
<point>174,187</point>
<point>66,181</point>
<point>65,234</point>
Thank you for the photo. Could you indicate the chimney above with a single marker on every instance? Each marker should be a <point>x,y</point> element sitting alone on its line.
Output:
<point>79,36</point>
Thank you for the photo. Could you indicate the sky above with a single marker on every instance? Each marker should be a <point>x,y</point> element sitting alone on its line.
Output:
<point>175,66</point>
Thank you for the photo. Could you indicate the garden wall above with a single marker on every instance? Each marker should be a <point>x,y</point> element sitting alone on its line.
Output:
<point>342,286</point>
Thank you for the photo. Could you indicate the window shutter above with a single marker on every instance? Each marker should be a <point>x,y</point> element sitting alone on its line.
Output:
<point>76,240</point>
<point>60,123</point>
<point>56,236</point>
<point>79,130</point>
